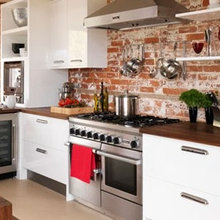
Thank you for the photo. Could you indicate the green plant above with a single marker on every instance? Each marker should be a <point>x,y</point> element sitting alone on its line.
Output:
<point>206,102</point>
<point>192,98</point>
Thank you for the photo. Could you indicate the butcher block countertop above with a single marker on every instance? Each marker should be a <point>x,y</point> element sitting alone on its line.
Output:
<point>194,132</point>
<point>44,111</point>
<point>8,111</point>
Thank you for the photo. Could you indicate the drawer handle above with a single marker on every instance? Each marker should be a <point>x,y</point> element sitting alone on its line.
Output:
<point>72,61</point>
<point>42,121</point>
<point>41,151</point>
<point>194,150</point>
<point>58,61</point>
<point>67,144</point>
<point>194,198</point>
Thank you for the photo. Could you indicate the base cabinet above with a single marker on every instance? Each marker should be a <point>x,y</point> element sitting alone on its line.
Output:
<point>37,153</point>
<point>180,180</point>
<point>46,161</point>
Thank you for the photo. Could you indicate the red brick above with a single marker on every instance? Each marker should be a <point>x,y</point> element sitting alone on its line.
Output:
<point>113,50</point>
<point>188,29</point>
<point>147,89</point>
<point>173,91</point>
<point>154,83</point>
<point>211,68</point>
<point>151,40</point>
<point>117,43</point>
<point>194,68</point>
<point>198,36</point>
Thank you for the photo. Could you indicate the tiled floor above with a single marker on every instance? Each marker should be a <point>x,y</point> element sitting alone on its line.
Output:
<point>32,201</point>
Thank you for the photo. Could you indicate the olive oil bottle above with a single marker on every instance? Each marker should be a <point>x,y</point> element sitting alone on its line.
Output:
<point>105,100</point>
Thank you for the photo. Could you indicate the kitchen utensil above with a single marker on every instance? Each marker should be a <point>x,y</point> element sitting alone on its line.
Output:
<point>155,70</point>
<point>16,47</point>
<point>184,73</point>
<point>20,16</point>
<point>10,101</point>
<point>126,105</point>
<point>197,47</point>
<point>208,34</point>
<point>171,68</point>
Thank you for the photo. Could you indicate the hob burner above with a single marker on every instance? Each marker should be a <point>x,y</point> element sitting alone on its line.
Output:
<point>136,121</point>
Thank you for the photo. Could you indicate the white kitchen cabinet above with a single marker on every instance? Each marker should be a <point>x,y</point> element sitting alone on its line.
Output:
<point>42,147</point>
<point>71,44</point>
<point>40,83</point>
<point>172,167</point>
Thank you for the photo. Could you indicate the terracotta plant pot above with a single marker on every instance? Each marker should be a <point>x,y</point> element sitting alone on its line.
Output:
<point>193,111</point>
<point>209,115</point>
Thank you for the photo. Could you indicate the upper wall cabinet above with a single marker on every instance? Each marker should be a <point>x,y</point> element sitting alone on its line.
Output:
<point>71,44</point>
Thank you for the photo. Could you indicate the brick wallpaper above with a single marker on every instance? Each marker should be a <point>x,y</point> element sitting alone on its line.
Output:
<point>158,96</point>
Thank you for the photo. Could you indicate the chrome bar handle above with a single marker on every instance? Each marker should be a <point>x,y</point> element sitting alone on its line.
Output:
<point>67,144</point>
<point>194,150</point>
<point>96,173</point>
<point>194,198</point>
<point>13,140</point>
<point>41,150</point>
<point>72,61</point>
<point>117,157</point>
<point>42,121</point>
<point>58,61</point>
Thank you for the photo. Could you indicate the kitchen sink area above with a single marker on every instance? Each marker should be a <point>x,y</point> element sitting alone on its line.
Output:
<point>110,110</point>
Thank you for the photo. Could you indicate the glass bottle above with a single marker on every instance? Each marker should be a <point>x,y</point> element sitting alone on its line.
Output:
<point>106,100</point>
<point>96,103</point>
<point>101,98</point>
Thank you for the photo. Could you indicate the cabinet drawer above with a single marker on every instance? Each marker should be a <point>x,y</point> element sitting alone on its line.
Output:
<point>181,162</point>
<point>46,161</point>
<point>45,130</point>
<point>168,201</point>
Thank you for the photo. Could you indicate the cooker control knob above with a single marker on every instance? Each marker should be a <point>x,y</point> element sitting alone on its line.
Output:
<point>102,137</point>
<point>83,133</point>
<point>77,131</point>
<point>109,139</point>
<point>96,136</point>
<point>72,131</point>
<point>116,140</point>
<point>134,144</point>
<point>89,134</point>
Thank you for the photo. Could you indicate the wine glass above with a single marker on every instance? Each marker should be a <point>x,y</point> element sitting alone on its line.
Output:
<point>197,47</point>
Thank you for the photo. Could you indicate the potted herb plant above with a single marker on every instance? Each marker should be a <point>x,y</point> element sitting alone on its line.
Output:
<point>207,104</point>
<point>193,99</point>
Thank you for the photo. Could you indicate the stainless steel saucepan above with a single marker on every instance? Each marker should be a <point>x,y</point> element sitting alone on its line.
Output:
<point>126,105</point>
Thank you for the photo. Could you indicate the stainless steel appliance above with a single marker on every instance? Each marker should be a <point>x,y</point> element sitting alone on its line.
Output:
<point>129,14</point>
<point>14,79</point>
<point>117,188</point>
<point>8,142</point>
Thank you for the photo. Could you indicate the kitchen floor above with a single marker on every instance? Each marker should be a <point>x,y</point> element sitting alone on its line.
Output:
<point>31,201</point>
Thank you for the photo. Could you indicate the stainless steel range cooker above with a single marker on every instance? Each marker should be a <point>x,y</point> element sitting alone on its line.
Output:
<point>117,185</point>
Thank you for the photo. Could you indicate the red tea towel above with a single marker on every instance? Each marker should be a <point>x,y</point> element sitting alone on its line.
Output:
<point>82,163</point>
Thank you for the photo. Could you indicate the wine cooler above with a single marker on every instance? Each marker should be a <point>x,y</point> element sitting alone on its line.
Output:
<point>8,143</point>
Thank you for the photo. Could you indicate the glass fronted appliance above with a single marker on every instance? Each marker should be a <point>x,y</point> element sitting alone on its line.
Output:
<point>8,141</point>
<point>14,80</point>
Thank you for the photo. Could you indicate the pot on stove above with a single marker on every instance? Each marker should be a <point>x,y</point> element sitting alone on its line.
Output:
<point>126,105</point>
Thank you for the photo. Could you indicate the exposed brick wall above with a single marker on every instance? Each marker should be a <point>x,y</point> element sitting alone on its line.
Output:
<point>158,96</point>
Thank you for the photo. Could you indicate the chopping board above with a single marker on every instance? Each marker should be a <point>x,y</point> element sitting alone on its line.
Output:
<point>71,111</point>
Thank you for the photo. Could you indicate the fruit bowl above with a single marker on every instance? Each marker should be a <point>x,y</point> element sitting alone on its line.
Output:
<point>20,16</point>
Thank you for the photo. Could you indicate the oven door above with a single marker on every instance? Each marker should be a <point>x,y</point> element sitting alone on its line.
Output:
<point>122,172</point>
<point>89,194</point>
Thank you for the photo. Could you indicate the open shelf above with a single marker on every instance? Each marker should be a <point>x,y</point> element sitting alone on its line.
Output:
<point>208,58</point>
<point>16,31</point>
<point>201,15</point>
<point>12,59</point>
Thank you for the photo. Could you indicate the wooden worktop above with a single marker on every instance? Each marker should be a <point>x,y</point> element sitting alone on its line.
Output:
<point>44,111</point>
<point>8,111</point>
<point>194,132</point>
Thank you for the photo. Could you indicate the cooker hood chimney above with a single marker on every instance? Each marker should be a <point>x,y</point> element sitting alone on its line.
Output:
<point>125,14</point>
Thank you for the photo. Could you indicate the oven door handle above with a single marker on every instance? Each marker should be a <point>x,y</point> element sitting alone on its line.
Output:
<point>117,157</point>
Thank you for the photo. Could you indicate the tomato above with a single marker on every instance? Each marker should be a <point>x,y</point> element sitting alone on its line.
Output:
<point>61,103</point>
<point>68,101</point>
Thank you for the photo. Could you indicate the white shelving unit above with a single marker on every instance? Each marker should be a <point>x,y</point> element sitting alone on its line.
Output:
<point>198,58</point>
<point>40,83</point>
<point>201,15</point>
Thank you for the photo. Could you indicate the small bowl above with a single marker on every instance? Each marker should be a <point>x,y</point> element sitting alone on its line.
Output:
<point>20,16</point>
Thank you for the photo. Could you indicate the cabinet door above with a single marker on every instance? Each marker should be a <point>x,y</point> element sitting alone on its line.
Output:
<point>58,33</point>
<point>46,161</point>
<point>77,34</point>
<point>165,201</point>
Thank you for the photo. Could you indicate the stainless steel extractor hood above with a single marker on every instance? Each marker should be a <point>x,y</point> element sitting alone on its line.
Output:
<point>122,14</point>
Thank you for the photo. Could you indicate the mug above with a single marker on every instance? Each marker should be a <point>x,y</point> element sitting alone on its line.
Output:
<point>10,101</point>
